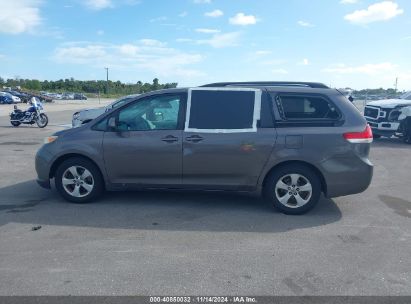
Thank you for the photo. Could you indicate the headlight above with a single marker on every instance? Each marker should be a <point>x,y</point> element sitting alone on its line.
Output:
<point>50,139</point>
<point>76,115</point>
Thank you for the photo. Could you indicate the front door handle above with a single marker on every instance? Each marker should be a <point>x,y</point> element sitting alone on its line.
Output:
<point>170,139</point>
<point>194,138</point>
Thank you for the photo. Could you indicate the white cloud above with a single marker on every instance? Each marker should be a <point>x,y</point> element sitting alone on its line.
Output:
<point>242,19</point>
<point>279,71</point>
<point>305,61</point>
<point>305,23</point>
<point>159,19</point>
<point>100,32</point>
<point>262,53</point>
<point>98,4</point>
<point>348,1</point>
<point>222,40</point>
<point>184,40</point>
<point>183,14</point>
<point>129,49</point>
<point>76,54</point>
<point>381,11</point>
<point>202,1</point>
<point>148,55</point>
<point>19,16</point>
<point>207,31</point>
<point>152,42</point>
<point>214,14</point>
<point>368,69</point>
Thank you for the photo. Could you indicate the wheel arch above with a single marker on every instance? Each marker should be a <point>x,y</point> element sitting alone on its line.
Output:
<point>64,157</point>
<point>301,163</point>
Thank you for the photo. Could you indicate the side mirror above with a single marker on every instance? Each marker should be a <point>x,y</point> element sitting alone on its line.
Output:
<point>350,98</point>
<point>112,123</point>
<point>15,107</point>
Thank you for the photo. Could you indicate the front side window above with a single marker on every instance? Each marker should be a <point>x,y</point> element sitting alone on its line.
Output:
<point>221,110</point>
<point>155,113</point>
<point>306,108</point>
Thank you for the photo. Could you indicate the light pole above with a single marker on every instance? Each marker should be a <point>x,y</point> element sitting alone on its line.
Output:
<point>106,80</point>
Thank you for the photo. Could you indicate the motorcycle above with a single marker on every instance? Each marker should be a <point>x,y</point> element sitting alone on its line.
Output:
<point>34,114</point>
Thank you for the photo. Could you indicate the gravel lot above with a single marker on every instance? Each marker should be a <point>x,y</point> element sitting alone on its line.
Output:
<point>198,243</point>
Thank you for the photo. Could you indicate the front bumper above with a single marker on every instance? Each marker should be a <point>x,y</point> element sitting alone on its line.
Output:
<point>76,123</point>
<point>43,163</point>
<point>44,183</point>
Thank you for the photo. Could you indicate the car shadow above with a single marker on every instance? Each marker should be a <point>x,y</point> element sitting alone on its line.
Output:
<point>172,211</point>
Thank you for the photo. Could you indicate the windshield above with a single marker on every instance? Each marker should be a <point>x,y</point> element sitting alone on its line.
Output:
<point>119,102</point>
<point>406,96</point>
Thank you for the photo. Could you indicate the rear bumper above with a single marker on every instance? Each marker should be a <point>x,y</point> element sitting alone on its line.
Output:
<point>346,176</point>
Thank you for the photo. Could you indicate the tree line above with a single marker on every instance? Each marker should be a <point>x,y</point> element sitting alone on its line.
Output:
<point>86,86</point>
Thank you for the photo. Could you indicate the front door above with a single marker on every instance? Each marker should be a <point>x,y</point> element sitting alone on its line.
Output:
<point>145,147</point>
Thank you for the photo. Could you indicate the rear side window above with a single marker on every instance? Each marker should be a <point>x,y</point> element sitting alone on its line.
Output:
<point>293,107</point>
<point>223,110</point>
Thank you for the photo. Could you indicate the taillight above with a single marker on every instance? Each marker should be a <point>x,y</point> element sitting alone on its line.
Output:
<point>360,137</point>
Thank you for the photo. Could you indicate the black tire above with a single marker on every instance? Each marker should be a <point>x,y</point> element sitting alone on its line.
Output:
<point>376,136</point>
<point>407,130</point>
<point>307,175</point>
<point>44,119</point>
<point>98,182</point>
<point>15,123</point>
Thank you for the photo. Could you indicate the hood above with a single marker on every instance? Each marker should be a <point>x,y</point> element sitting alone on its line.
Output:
<point>91,109</point>
<point>389,103</point>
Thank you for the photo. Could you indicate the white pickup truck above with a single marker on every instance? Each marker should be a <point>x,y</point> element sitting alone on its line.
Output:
<point>390,117</point>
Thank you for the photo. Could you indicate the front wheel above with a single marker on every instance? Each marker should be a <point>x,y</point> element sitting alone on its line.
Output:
<point>293,189</point>
<point>42,120</point>
<point>78,180</point>
<point>15,123</point>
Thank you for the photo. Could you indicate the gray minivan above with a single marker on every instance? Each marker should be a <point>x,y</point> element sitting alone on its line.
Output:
<point>285,140</point>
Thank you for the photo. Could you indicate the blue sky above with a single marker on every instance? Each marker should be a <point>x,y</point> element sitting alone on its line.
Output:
<point>345,43</point>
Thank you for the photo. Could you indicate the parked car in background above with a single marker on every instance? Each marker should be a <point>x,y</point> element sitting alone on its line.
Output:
<point>79,96</point>
<point>14,98</point>
<point>23,96</point>
<point>4,99</point>
<point>68,96</point>
<point>87,115</point>
<point>287,141</point>
<point>387,117</point>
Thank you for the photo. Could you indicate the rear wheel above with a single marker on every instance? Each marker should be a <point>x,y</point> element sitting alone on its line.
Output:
<point>15,123</point>
<point>376,136</point>
<point>293,189</point>
<point>78,180</point>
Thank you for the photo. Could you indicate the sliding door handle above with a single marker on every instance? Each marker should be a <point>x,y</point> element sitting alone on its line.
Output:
<point>194,138</point>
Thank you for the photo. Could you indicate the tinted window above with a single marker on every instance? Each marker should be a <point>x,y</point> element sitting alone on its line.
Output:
<point>101,126</point>
<point>156,113</point>
<point>221,109</point>
<point>306,107</point>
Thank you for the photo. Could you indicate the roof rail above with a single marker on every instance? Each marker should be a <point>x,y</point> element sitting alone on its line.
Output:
<point>316,85</point>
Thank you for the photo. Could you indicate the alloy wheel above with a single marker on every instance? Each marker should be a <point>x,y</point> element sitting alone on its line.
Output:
<point>293,190</point>
<point>77,181</point>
